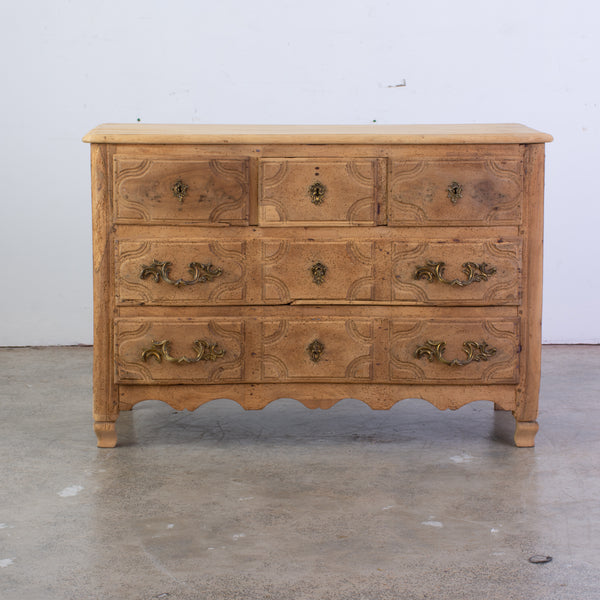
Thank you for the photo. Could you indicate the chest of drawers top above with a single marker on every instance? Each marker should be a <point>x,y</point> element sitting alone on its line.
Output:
<point>143,133</point>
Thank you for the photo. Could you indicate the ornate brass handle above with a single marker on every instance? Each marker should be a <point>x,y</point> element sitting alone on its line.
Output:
<point>474,271</point>
<point>317,193</point>
<point>200,273</point>
<point>315,349</point>
<point>475,352</point>
<point>455,191</point>
<point>318,271</point>
<point>179,190</point>
<point>204,351</point>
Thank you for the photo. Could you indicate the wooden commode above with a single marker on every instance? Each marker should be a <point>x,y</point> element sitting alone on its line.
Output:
<point>318,263</point>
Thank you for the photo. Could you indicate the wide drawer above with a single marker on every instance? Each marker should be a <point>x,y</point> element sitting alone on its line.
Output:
<point>321,348</point>
<point>321,191</point>
<point>244,270</point>
<point>455,192</point>
<point>150,190</point>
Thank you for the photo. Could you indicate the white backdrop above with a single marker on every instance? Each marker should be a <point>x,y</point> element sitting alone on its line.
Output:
<point>68,65</point>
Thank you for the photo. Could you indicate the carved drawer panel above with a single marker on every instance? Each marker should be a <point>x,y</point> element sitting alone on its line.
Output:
<point>180,273</point>
<point>319,349</point>
<point>317,270</point>
<point>150,190</point>
<point>453,192</point>
<point>442,272</point>
<point>179,350</point>
<point>454,350</point>
<point>321,191</point>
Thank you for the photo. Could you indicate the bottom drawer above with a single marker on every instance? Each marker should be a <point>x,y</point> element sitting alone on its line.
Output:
<point>325,348</point>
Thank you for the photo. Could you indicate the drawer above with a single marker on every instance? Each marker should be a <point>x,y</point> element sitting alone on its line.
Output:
<point>321,191</point>
<point>319,349</point>
<point>179,351</point>
<point>455,192</point>
<point>328,347</point>
<point>454,350</point>
<point>167,273</point>
<point>241,270</point>
<point>149,190</point>
<point>317,271</point>
<point>457,273</point>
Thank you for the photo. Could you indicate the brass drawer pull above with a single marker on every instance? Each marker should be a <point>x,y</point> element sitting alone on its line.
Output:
<point>200,273</point>
<point>317,193</point>
<point>476,352</point>
<point>475,272</point>
<point>179,190</point>
<point>318,271</point>
<point>204,351</point>
<point>455,191</point>
<point>315,349</point>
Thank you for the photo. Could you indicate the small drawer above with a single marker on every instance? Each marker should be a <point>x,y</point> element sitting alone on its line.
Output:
<point>163,273</point>
<point>457,273</point>
<point>454,351</point>
<point>456,192</point>
<point>321,191</point>
<point>317,271</point>
<point>150,190</point>
<point>179,351</point>
<point>319,349</point>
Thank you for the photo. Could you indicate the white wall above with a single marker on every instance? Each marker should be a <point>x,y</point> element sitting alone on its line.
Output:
<point>68,65</point>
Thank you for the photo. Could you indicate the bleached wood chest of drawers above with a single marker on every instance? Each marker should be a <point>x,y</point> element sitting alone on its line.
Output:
<point>318,263</point>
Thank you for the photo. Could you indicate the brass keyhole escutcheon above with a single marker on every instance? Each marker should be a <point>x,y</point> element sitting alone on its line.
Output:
<point>315,349</point>
<point>318,271</point>
<point>455,191</point>
<point>179,190</point>
<point>317,193</point>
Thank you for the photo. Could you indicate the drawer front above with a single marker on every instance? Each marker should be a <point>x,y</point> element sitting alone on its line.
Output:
<point>324,348</point>
<point>181,273</point>
<point>320,191</point>
<point>280,271</point>
<point>317,271</point>
<point>319,349</point>
<point>454,351</point>
<point>150,190</point>
<point>451,273</point>
<point>455,192</point>
<point>181,351</point>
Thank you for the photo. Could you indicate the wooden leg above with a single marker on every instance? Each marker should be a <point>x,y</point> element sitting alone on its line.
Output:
<point>525,433</point>
<point>106,434</point>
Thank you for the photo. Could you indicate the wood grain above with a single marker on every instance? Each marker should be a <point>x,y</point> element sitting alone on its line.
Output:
<point>216,190</point>
<point>490,192</point>
<point>351,191</point>
<point>147,133</point>
<point>106,403</point>
<point>529,386</point>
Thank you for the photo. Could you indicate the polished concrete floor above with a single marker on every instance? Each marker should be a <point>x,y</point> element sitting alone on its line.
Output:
<point>287,503</point>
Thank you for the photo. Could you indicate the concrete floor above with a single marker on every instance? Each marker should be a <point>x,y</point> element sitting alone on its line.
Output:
<point>288,503</point>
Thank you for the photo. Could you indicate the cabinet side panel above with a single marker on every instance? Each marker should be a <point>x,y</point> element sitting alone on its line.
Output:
<point>105,396</point>
<point>528,392</point>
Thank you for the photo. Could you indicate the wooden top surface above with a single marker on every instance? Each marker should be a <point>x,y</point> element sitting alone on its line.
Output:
<point>145,133</point>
